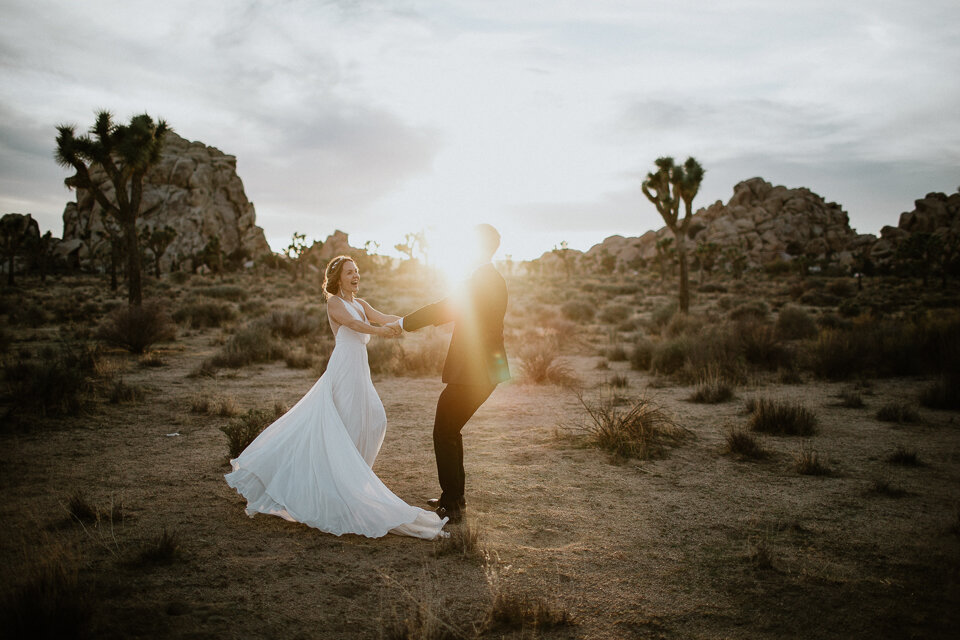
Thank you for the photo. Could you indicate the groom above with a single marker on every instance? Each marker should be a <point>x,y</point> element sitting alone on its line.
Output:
<point>476,363</point>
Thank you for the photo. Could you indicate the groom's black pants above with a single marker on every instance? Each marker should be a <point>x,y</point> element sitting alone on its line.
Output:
<point>457,404</point>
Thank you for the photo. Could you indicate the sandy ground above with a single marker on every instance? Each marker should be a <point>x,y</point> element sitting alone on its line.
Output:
<point>696,545</point>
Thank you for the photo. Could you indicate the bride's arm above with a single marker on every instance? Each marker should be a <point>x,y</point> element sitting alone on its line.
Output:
<point>376,316</point>
<point>340,315</point>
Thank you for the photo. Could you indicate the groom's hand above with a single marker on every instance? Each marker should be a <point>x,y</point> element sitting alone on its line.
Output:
<point>394,328</point>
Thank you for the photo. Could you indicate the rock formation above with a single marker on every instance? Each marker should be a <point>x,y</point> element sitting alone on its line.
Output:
<point>937,214</point>
<point>194,189</point>
<point>765,222</point>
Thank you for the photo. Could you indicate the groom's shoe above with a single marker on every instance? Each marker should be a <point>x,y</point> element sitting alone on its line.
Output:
<point>454,514</point>
<point>433,503</point>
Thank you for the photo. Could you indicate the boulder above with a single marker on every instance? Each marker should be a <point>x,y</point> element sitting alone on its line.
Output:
<point>193,188</point>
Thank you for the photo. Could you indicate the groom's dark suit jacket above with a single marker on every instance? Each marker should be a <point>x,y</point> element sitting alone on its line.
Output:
<point>476,355</point>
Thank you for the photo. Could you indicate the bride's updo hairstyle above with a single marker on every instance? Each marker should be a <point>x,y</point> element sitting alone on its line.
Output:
<point>331,278</point>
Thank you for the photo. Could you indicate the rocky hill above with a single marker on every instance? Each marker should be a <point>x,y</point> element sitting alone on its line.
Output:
<point>765,222</point>
<point>194,189</point>
<point>937,214</point>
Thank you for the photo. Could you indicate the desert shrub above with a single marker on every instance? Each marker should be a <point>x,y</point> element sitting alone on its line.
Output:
<point>578,311</point>
<point>777,267</point>
<point>944,393</point>
<point>851,399</point>
<point>245,429</point>
<point>251,345</point>
<point>614,313</point>
<point>299,359</point>
<point>561,331</point>
<point>642,430</point>
<point>904,457</point>
<point>539,365</point>
<point>781,418</point>
<point>47,599</point>
<point>200,403</point>
<point>793,323</point>
<point>838,355</point>
<point>54,384</point>
<point>809,463</point>
<point>669,356</point>
<point>465,541</point>
<point>423,358</point>
<point>136,329</point>
<point>849,309</point>
<point>752,310</point>
<point>662,314</point>
<point>618,381</point>
<point>712,388</point>
<point>842,288</point>
<point>179,277</point>
<point>207,313</point>
<point>119,392</point>
<point>641,356</point>
<point>289,324</point>
<point>744,444</point>
<point>27,314</point>
<point>163,548</point>
<point>760,345</point>
<point>683,324</point>
<point>712,287</point>
<point>883,487</point>
<point>233,293</point>
<point>383,355</point>
<point>525,611</point>
<point>225,407</point>
<point>151,359</point>
<point>897,411</point>
<point>830,320</point>
<point>616,353</point>
<point>253,308</point>
<point>818,298</point>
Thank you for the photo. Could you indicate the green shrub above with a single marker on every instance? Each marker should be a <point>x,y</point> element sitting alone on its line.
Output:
<point>793,323</point>
<point>251,345</point>
<point>781,418</point>
<point>641,356</point>
<point>136,329</point>
<point>578,311</point>
<point>245,429</point>
<point>205,314</point>
<point>614,313</point>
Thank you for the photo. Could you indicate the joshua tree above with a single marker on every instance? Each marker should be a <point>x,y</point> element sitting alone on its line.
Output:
<point>408,246</point>
<point>295,252</point>
<point>666,188</point>
<point>158,242</point>
<point>125,152</point>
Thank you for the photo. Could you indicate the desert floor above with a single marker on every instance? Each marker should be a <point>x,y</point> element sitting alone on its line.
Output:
<point>697,544</point>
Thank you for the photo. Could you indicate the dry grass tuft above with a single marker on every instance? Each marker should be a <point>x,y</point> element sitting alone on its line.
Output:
<point>539,364</point>
<point>905,457</point>
<point>712,388</point>
<point>745,444</point>
<point>781,418</point>
<point>809,463</point>
<point>642,431</point>
<point>465,541</point>
<point>121,392</point>
<point>898,411</point>
<point>883,487</point>
<point>163,548</point>
<point>851,399</point>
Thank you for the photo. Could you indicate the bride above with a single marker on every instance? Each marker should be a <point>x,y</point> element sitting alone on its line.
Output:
<point>313,465</point>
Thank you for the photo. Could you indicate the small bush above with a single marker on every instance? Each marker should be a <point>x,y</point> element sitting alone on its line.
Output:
<point>245,429</point>
<point>137,328</point>
<point>291,324</point>
<point>842,288</point>
<point>224,292</point>
<point>809,463</point>
<point>642,431</point>
<point>669,356</point>
<point>713,388</point>
<point>47,600</point>
<point>616,353</point>
<point>225,407</point>
<point>662,314</point>
<point>641,356</point>
<point>793,323</point>
<point>759,344</point>
<point>618,381</point>
<point>200,403</point>
<point>682,324</point>
<point>121,392</point>
<point>614,313</point>
<point>898,411</point>
<point>151,359</point>
<point>204,314</point>
<point>299,359</point>
<point>851,399</point>
<point>539,365</point>
<point>578,311</point>
<point>904,457</point>
<point>179,277</point>
<point>164,548</point>
<point>53,385</point>
<point>252,345</point>
<point>526,611</point>
<point>754,310</point>
<point>942,394</point>
<point>465,541</point>
<point>781,418</point>
<point>745,444</point>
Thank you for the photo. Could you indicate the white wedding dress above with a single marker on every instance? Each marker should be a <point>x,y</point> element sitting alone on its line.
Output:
<point>313,465</point>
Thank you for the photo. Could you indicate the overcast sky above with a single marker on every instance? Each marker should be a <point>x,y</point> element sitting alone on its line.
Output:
<point>381,117</point>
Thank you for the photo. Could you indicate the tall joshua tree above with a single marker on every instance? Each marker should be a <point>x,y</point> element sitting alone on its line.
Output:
<point>124,152</point>
<point>668,187</point>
